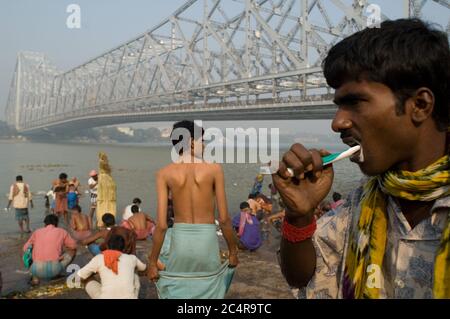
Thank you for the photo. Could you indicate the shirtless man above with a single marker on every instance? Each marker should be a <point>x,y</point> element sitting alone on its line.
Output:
<point>196,187</point>
<point>61,188</point>
<point>80,224</point>
<point>140,223</point>
<point>106,233</point>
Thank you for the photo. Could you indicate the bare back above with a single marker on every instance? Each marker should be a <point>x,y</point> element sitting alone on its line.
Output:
<point>80,222</point>
<point>193,191</point>
<point>139,221</point>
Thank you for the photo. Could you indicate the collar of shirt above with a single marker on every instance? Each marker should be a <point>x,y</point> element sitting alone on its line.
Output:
<point>428,229</point>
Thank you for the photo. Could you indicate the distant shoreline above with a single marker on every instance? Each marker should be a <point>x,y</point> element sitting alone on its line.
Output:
<point>283,146</point>
<point>12,140</point>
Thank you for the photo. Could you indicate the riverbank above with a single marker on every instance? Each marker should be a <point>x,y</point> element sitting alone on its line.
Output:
<point>12,141</point>
<point>258,275</point>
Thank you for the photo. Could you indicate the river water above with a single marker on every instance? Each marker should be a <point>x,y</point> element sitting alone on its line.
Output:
<point>134,168</point>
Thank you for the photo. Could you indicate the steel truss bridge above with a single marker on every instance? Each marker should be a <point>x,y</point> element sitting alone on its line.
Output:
<point>210,60</point>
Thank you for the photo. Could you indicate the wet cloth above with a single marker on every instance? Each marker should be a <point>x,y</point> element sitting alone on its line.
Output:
<point>81,234</point>
<point>194,269</point>
<point>165,249</point>
<point>249,231</point>
<point>60,202</point>
<point>21,214</point>
<point>50,269</point>
<point>141,234</point>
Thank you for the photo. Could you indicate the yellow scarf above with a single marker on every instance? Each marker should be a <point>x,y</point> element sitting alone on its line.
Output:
<point>368,239</point>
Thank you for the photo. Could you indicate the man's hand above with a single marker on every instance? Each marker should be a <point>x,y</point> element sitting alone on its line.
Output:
<point>153,273</point>
<point>303,192</point>
<point>31,204</point>
<point>233,260</point>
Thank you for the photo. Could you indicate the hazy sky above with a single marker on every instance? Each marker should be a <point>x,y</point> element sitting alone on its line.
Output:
<point>40,25</point>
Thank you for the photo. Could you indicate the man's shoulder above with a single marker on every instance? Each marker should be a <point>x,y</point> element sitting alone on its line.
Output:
<point>174,168</point>
<point>211,165</point>
<point>62,231</point>
<point>166,169</point>
<point>39,230</point>
<point>97,259</point>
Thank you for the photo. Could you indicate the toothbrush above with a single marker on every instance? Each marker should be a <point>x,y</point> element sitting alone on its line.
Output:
<point>327,160</point>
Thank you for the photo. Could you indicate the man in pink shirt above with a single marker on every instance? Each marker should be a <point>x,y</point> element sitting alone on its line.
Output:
<point>48,244</point>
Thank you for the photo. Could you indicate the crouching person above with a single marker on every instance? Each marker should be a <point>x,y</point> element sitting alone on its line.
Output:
<point>118,279</point>
<point>53,250</point>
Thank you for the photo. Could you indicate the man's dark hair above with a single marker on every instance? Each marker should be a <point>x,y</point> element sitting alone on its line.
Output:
<point>135,209</point>
<point>404,55</point>
<point>244,205</point>
<point>19,178</point>
<point>63,176</point>
<point>251,196</point>
<point>116,242</point>
<point>336,196</point>
<point>137,201</point>
<point>77,208</point>
<point>178,141</point>
<point>51,220</point>
<point>109,220</point>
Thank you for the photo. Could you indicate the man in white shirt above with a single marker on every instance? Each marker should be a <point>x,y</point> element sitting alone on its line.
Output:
<point>116,270</point>
<point>20,197</point>
<point>127,213</point>
<point>93,184</point>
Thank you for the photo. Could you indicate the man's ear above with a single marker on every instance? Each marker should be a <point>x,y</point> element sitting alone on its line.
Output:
<point>421,105</point>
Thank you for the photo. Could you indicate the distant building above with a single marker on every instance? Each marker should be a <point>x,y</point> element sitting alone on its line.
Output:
<point>126,130</point>
<point>165,132</point>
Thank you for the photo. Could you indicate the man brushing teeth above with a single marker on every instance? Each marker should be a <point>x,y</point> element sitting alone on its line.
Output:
<point>392,237</point>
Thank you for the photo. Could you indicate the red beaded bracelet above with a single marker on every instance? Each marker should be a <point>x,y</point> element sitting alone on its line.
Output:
<point>295,234</point>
